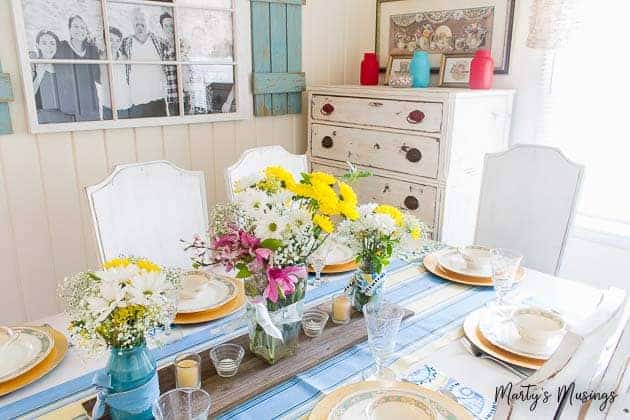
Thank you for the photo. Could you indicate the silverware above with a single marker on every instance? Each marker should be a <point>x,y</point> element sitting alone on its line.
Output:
<point>477,352</point>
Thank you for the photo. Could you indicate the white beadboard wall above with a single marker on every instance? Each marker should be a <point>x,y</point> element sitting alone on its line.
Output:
<point>45,228</point>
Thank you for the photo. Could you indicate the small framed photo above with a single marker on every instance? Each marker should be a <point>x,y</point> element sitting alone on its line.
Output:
<point>397,67</point>
<point>455,70</point>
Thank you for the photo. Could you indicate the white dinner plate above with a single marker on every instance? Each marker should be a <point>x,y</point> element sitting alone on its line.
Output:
<point>384,405</point>
<point>502,332</point>
<point>30,348</point>
<point>452,261</point>
<point>203,291</point>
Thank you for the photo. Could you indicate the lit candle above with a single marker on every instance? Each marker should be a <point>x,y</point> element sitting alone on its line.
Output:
<point>188,371</point>
<point>341,308</point>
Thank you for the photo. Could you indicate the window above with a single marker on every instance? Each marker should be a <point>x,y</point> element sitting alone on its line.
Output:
<point>123,63</point>
<point>588,119</point>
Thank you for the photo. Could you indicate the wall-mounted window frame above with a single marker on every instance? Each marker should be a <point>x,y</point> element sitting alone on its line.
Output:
<point>240,60</point>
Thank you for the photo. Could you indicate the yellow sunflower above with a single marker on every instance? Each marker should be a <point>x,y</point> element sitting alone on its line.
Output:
<point>116,263</point>
<point>281,174</point>
<point>324,223</point>
<point>347,194</point>
<point>349,210</point>
<point>415,233</point>
<point>391,211</point>
<point>322,178</point>
<point>148,265</point>
<point>326,198</point>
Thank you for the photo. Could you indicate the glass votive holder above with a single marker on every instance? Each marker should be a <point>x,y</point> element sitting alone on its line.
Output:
<point>314,322</point>
<point>341,308</point>
<point>188,371</point>
<point>226,359</point>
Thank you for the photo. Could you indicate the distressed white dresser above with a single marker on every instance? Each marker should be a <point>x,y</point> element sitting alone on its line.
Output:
<point>424,147</point>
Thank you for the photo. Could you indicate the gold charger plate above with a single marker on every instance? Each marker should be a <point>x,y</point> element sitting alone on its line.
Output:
<point>45,366</point>
<point>431,263</point>
<point>210,315</point>
<point>337,268</point>
<point>440,403</point>
<point>474,334</point>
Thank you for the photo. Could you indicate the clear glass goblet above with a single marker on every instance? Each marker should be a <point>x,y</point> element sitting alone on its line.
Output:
<point>382,320</point>
<point>317,260</point>
<point>505,264</point>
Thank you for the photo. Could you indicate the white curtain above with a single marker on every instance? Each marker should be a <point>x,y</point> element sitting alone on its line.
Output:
<point>586,105</point>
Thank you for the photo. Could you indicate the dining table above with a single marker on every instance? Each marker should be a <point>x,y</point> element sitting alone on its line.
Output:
<point>429,338</point>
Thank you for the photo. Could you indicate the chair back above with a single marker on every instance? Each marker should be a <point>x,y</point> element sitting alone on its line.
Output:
<point>527,202</point>
<point>253,161</point>
<point>145,209</point>
<point>578,365</point>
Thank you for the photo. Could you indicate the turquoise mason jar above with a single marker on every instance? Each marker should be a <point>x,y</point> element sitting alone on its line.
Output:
<point>130,369</point>
<point>420,69</point>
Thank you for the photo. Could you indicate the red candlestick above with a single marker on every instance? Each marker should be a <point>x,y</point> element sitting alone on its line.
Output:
<point>369,69</point>
<point>481,70</point>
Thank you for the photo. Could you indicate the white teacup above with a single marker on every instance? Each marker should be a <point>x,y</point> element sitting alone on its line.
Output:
<point>538,325</point>
<point>192,285</point>
<point>476,257</point>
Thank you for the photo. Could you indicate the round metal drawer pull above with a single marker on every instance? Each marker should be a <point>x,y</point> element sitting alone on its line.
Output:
<point>411,202</point>
<point>327,142</point>
<point>413,155</point>
<point>328,109</point>
<point>415,117</point>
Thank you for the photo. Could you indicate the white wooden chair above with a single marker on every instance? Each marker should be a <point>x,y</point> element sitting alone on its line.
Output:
<point>615,378</point>
<point>145,209</point>
<point>527,201</point>
<point>583,358</point>
<point>253,161</point>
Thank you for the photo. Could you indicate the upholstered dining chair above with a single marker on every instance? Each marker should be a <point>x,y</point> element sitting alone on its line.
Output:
<point>584,358</point>
<point>145,209</point>
<point>527,202</point>
<point>253,161</point>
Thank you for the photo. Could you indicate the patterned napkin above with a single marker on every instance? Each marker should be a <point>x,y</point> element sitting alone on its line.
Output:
<point>428,376</point>
<point>417,254</point>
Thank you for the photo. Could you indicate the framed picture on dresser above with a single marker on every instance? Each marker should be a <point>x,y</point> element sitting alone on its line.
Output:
<point>445,27</point>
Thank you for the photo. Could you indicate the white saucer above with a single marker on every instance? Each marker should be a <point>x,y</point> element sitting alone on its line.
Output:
<point>30,347</point>
<point>203,291</point>
<point>502,332</point>
<point>452,261</point>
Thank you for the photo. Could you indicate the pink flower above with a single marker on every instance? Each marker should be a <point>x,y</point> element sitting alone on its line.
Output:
<point>262,256</point>
<point>284,278</point>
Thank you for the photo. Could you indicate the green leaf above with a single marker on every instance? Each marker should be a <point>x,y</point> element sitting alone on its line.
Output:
<point>243,271</point>
<point>272,244</point>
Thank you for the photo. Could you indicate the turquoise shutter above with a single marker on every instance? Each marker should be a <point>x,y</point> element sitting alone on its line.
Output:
<point>6,96</point>
<point>278,79</point>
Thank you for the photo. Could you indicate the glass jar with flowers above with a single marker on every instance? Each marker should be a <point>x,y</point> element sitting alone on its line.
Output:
<point>376,236</point>
<point>266,235</point>
<point>118,308</point>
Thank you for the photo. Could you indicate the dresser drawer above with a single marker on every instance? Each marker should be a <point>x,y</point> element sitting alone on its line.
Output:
<point>406,115</point>
<point>406,153</point>
<point>416,199</point>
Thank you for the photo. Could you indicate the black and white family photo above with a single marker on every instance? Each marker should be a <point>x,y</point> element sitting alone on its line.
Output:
<point>138,36</point>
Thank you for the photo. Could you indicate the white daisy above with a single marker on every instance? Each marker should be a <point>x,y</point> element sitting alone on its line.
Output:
<point>270,226</point>
<point>148,288</point>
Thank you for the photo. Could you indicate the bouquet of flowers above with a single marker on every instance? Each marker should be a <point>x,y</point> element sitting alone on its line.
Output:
<point>267,235</point>
<point>118,306</point>
<point>378,234</point>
